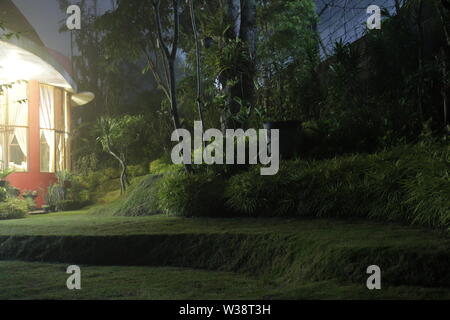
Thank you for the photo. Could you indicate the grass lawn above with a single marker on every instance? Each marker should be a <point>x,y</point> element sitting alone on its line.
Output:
<point>162,257</point>
<point>81,223</point>
<point>20,280</point>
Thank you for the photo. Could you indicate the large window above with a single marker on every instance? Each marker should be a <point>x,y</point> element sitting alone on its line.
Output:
<point>14,127</point>
<point>54,129</point>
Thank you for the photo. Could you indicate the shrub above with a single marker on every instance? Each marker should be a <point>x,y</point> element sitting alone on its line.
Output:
<point>30,197</point>
<point>13,208</point>
<point>70,205</point>
<point>142,200</point>
<point>138,170</point>
<point>97,179</point>
<point>31,204</point>
<point>3,194</point>
<point>55,194</point>
<point>12,191</point>
<point>409,184</point>
<point>161,166</point>
<point>184,194</point>
<point>78,190</point>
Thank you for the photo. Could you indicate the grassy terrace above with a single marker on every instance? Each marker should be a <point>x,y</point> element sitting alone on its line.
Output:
<point>161,257</point>
<point>81,223</point>
<point>176,283</point>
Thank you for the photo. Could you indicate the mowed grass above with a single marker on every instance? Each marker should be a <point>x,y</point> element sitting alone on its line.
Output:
<point>239,258</point>
<point>82,223</point>
<point>21,280</point>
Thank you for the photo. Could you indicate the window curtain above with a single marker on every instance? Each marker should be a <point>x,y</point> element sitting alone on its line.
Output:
<point>67,151</point>
<point>60,152</point>
<point>66,112</point>
<point>3,141</point>
<point>47,121</point>
<point>2,149</point>
<point>18,115</point>
<point>3,104</point>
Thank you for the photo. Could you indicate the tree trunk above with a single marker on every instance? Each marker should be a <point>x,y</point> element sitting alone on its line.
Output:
<point>170,58</point>
<point>248,34</point>
<point>198,64</point>
<point>445,84</point>
<point>123,183</point>
<point>232,10</point>
<point>420,86</point>
<point>241,17</point>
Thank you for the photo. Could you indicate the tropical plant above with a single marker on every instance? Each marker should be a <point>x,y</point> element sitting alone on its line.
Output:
<point>5,172</point>
<point>55,194</point>
<point>117,136</point>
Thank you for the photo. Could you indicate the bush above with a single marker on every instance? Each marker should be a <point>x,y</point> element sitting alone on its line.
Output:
<point>96,179</point>
<point>72,192</point>
<point>12,191</point>
<point>13,208</point>
<point>161,166</point>
<point>142,200</point>
<point>409,184</point>
<point>184,194</point>
<point>78,190</point>
<point>3,194</point>
<point>138,170</point>
<point>70,205</point>
<point>55,194</point>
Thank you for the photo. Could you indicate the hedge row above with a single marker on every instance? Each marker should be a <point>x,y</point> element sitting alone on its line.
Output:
<point>409,184</point>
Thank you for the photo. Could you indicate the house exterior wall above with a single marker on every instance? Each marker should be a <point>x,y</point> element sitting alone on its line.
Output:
<point>34,179</point>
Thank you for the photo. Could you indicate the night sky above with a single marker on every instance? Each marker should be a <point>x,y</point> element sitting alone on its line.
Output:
<point>45,16</point>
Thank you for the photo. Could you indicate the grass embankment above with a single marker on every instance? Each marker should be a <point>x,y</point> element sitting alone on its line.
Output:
<point>292,252</point>
<point>48,282</point>
<point>408,184</point>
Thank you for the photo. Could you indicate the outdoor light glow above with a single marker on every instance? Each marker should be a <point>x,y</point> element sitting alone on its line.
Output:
<point>23,61</point>
<point>13,67</point>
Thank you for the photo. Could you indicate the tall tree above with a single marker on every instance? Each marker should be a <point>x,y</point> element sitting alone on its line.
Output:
<point>170,54</point>
<point>241,32</point>
<point>198,67</point>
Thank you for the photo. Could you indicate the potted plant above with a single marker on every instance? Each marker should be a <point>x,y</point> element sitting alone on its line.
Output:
<point>30,197</point>
<point>3,174</point>
<point>31,194</point>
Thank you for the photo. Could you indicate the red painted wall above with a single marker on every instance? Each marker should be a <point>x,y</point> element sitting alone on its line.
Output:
<point>33,179</point>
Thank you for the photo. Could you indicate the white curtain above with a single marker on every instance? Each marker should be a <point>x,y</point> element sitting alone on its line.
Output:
<point>60,151</point>
<point>18,115</point>
<point>47,121</point>
<point>3,104</point>
<point>66,112</point>
<point>3,140</point>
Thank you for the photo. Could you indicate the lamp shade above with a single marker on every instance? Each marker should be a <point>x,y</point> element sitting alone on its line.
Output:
<point>82,98</point>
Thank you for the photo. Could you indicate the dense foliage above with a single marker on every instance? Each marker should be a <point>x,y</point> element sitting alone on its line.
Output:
<point>363,109</point>
<point>13,208</point>
<point>408,184</point>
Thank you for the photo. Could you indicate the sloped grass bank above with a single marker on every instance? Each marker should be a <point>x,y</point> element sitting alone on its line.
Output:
<point>289,258</point>
<point>408,184</point>
<point>121,283</point>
